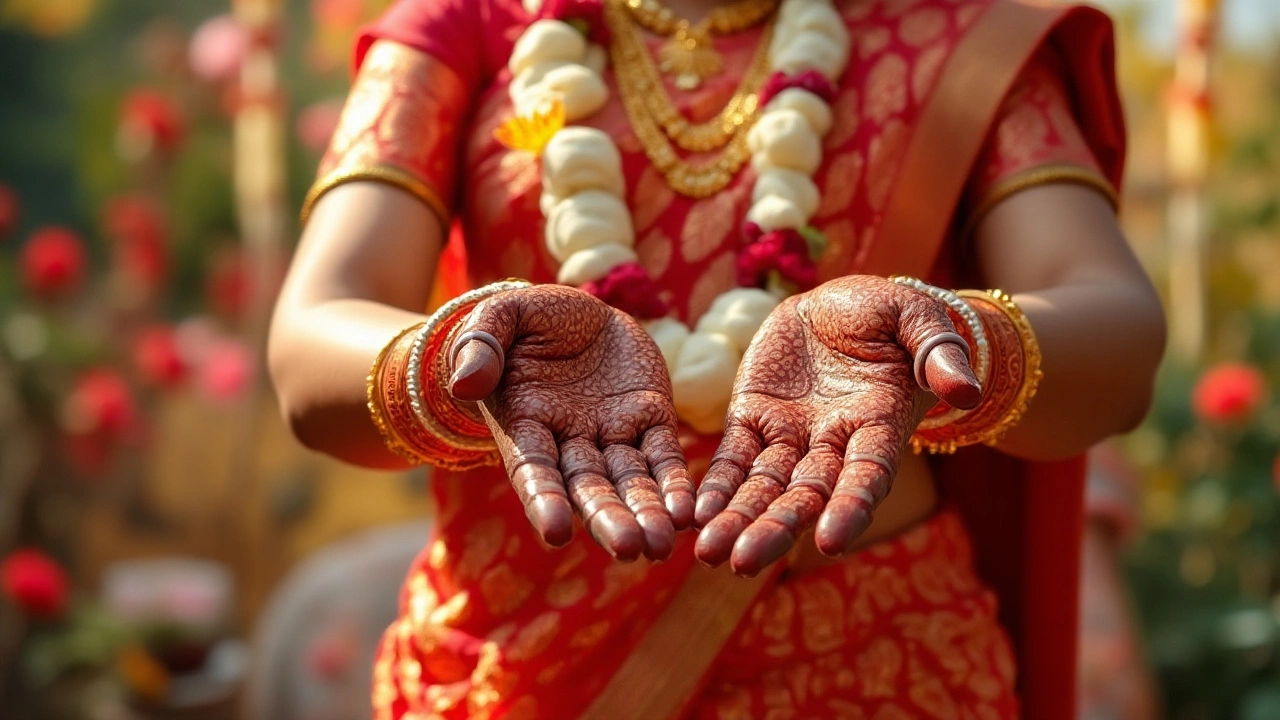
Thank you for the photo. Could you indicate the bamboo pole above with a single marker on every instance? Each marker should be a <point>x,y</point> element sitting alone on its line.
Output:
<point>259,180</point>
<point>1189,123</point>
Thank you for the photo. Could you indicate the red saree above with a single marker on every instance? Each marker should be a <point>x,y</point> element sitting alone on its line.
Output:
<point>947,107</point>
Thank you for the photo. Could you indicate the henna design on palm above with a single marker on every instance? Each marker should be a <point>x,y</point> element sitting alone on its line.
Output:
<point>582,413</point>
<point>826,385</point>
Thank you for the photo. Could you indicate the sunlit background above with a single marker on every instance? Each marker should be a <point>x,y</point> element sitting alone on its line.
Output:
<point>160,533</point>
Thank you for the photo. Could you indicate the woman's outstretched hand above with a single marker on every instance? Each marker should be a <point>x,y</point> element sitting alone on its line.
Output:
<point>824,405</point>
<point>580,405</point>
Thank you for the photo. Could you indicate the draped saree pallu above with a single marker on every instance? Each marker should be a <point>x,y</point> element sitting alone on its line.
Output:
<point>946,108</point>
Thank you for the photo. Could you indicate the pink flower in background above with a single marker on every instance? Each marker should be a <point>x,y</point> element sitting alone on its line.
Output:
<point>53,262</point>
<point>316,124</point>
<point>8,211</point>
<point>217,49</point>
<point>227,371</point>
<point>101,404</point>
<point>150,119</point>
<point>1229,393</point>
<point>35,583</point>
<point>156,356</point>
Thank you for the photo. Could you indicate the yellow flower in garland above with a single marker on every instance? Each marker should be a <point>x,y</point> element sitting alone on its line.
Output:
<point>531,132</point>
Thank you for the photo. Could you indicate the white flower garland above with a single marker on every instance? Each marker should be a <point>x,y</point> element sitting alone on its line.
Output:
<point>588,226</point>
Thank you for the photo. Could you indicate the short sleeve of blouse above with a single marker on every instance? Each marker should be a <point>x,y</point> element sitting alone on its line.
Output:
<point>1036,140</point>
<point>419,69</point>
<point>451,31</point>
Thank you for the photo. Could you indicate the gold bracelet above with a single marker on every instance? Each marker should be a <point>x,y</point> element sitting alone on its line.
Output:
<point>1012,383</point>
<point>390,437</point>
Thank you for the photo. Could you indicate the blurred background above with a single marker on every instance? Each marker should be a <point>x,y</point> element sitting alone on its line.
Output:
<point>168,551</point>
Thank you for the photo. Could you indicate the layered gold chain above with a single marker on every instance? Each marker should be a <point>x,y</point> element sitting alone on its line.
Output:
<point>689,52</point>
<point>654,117</point>
<point>694,137</point>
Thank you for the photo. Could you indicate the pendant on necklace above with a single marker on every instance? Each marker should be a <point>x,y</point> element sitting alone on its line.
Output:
<point>690,55</point>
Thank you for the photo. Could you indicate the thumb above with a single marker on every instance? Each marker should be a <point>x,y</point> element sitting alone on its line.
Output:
<point>479,352</point>
<point>944,370</point>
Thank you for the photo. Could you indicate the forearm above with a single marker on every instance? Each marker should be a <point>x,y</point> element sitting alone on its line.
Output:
<point>1100,343</point>
<point>1100,328</point>
<point>320,364</point>
<point>362,273</point>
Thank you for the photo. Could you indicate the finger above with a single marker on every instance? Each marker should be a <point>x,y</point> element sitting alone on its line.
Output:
<point>773,535</point>
<point>921,320</point>
<point>766,481</point>
<point>950,377</point>
<point>629,473</point>
<point>603,513</point>
<point>729,466</point>
<point>661,447</point>
<point>532,461</point>
<point>476,365</point>
<point>870,463</point>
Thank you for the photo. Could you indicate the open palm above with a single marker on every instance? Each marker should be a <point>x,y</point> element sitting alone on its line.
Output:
<point>824,405</point>
<point>582,413</point>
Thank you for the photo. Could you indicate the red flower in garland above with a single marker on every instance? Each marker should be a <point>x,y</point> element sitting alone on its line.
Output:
<point>8,211</point>
<point>152,120</point>
<point>53,262</point>
<point>782,251</point>
<point>35,583</point>
<point>1229,393</point>
<point>156,356</point>
<point>811,80</point>
<point>629,288</point>
<point>586,15</point>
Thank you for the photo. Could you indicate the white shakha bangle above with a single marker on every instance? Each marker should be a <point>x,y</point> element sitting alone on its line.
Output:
<point>981,363</point>
<point>416,352</point>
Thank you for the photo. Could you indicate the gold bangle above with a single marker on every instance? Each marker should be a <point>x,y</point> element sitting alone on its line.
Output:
<point>1035,177</point>
<point>385,174</point>
<point>390,437</point>
<point>1006,402</point>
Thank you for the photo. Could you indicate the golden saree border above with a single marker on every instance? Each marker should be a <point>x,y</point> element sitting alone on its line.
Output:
<point>951,132</point>
<point>663,674</point>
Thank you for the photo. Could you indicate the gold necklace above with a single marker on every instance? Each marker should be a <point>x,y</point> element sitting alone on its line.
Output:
<point>643,78</point>
<point>632,65</point>
<point>690,52</point>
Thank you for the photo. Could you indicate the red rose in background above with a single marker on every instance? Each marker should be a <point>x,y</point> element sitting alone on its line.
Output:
<point>101,404</point>
<point>1229,393</point>
<point>155,354</point>
<point>217,49</point>
<point>8,211</point>
<point>138,228</point>
<point>151,119</point>
<point>53,262</point>
<point>35,583</point>
<point>228,284</point>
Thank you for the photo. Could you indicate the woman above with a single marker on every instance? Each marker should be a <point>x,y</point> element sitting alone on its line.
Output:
<point>716,184</point>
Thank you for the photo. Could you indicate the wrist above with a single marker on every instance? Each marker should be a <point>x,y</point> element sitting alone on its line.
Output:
<point>408,392</point>
<point>1005,358</point>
